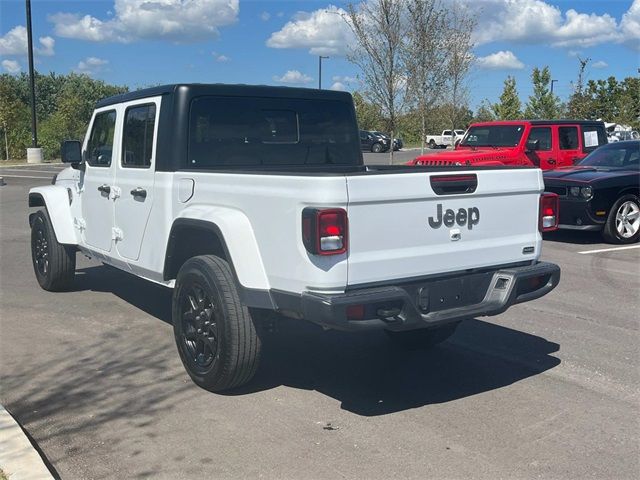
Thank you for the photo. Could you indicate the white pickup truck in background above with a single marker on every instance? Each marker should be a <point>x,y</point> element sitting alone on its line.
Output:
<point>444,139</point>
<point>247,200</point>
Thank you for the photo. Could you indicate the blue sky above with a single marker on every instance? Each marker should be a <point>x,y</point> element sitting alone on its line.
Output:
<point>143,42</point>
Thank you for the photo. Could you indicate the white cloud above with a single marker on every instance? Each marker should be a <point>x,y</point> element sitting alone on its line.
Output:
<point>345,79</point>
<point>265,16</point>
<point>11,66</point>
<point>600,64</point>
<point>293,77</point>
<point>338,86</point>
<point>502,60</point>
<point>323,32</point>
<point>14,42</point>
<point>176,20</point>
<point>535,21</point>
<point>630,26</point>
<point>91,65</point>
<point>220,57</point>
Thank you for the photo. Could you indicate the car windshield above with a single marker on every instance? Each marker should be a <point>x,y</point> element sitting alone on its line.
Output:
<point>614,155</point>
<point>493,136</point>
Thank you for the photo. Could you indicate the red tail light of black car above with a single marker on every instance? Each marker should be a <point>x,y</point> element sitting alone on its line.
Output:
<point>549,212</point>
<point>325,231</point>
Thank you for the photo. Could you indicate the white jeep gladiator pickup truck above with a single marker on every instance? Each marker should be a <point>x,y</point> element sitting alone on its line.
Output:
<point>444,139</point>
<point>247,199</point>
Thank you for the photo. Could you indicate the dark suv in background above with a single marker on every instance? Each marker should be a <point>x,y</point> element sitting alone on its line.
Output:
<point>370,142</point>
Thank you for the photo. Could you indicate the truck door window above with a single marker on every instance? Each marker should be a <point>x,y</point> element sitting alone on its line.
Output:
<point>100,145</point>
<point>539,139</point>
<point>446,133</point>
<point>137,136</point>
<point>568,138</point>
<point>593,136</point>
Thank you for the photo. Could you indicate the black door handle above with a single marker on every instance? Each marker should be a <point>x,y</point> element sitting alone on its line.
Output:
<point>104,189</point>
<point>552,161</point>
<point>139,192</point>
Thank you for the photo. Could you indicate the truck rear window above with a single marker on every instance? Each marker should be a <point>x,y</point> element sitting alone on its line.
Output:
<point>247,131</point>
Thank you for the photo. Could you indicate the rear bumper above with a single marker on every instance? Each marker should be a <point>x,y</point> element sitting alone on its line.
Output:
<point>430,303</point>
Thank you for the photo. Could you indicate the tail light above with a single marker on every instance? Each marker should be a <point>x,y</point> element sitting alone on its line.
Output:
<point>325,231</point>
<point>549,212</point>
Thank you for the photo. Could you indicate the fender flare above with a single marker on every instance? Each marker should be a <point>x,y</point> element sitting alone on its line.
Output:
<point>55,199</point>
<point>235,233</point>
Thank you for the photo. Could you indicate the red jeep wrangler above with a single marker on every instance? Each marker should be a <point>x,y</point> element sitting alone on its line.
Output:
<point>547,144</point>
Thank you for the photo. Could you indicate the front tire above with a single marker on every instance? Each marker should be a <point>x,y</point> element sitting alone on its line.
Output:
<point>423,338</point>
<point>215,334</point>
<point>376,148</point>
<point>623,222</point>
<point>53,263</point>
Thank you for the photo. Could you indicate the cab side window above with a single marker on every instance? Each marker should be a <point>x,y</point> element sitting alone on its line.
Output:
<point>539,139</point>
<point>100,145</point>
<point>137,136</point>
<point>568,137</point>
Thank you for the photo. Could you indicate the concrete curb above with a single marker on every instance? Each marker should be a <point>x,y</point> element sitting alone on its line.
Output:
<point>18,459</point>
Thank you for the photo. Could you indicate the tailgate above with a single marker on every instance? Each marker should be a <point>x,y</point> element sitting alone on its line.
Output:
<point>408,225</point>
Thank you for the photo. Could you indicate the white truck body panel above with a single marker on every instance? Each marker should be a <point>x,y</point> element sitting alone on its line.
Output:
<point>398,242</point>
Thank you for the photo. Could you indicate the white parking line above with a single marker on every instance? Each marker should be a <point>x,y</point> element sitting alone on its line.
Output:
<point>23,176</point>
<point>31,171</point>
<point>609,249</point>
<point>36,165</point>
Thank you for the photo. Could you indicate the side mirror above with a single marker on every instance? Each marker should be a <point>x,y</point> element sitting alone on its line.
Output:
<point>71,151</point>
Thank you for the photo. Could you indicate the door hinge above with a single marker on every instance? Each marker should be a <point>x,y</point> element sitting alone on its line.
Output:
<point>79,223</point>
<point>115,192</point>
<point>116,234</point>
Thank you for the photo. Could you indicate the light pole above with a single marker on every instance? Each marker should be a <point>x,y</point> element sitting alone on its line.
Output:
<point>34,154</point>
<point>552,85</point>
<point>32,83</point>
<point>320,57</point>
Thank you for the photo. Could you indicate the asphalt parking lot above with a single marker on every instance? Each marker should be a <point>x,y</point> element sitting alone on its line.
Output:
<point>550,389</point>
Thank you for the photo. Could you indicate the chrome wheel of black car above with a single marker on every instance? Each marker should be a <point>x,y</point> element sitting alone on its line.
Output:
<point>199,327</point>
<point>623,221</point>
<point>41,250</point>
<point>628,219</point>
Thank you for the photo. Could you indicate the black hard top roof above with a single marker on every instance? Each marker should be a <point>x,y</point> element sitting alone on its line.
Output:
<point>197,89</point>
<point>566,122</point>
<point>540,122</point>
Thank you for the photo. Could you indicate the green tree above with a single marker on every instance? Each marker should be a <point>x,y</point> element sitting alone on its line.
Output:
<point>542,104</point>
<point>64,104</point>
<point>484,112</point>
<point>578,104</point>
<point>14,120</point>
<point>509,107</point>
<point>369,116</point>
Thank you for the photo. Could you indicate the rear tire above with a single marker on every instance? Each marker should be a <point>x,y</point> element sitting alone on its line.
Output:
<point>623,221</point>
<point>53,263</point>
<point>423,338</point>
<point>215,334</point>
<point>432,144</point>
<point>376,148</point>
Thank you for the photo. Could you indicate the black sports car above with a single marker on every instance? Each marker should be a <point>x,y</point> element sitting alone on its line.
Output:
<point>601,192</point>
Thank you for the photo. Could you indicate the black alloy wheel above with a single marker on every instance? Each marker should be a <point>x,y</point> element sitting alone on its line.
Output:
<point>199,327</point>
